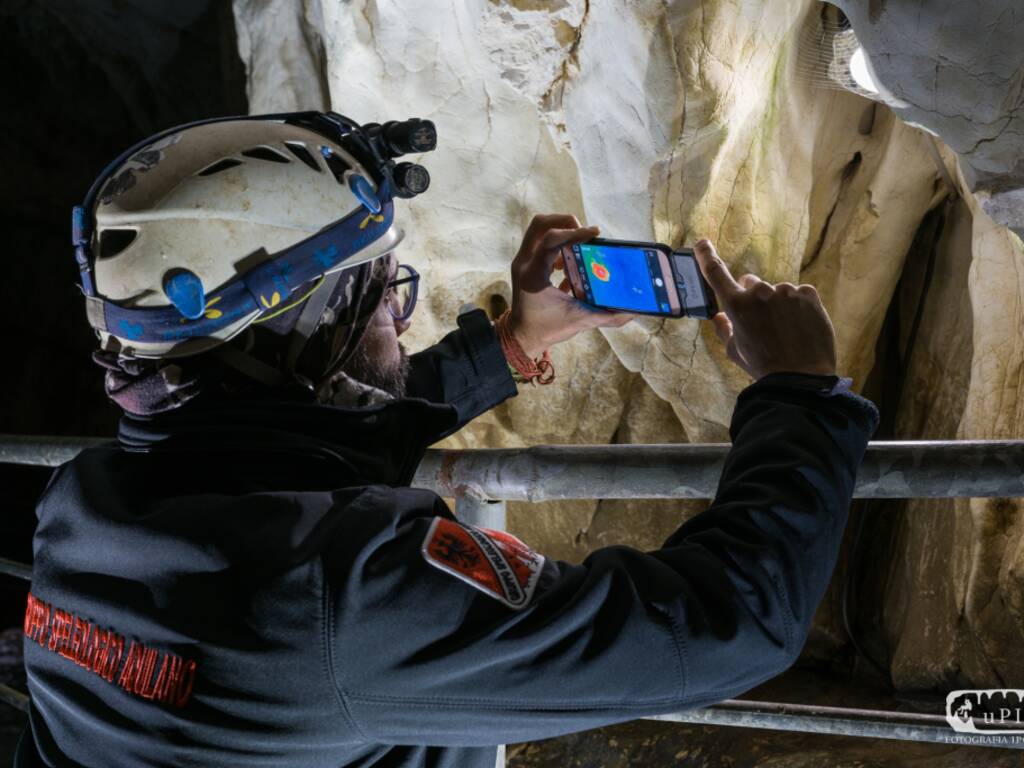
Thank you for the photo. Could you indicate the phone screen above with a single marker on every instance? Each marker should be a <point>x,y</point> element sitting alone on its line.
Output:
<point>691,284</point>
<point>622,277</point>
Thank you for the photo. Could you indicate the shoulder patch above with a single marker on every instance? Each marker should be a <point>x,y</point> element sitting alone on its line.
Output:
<point>495,562</point>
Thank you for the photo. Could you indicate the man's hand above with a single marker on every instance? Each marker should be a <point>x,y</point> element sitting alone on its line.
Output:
<point>541,314</point>
<point>768,329</point>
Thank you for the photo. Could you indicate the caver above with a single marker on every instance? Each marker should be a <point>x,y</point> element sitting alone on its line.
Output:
<point>245,576</point>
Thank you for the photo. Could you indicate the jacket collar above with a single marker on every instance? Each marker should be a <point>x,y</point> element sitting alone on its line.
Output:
<point>382,443</point>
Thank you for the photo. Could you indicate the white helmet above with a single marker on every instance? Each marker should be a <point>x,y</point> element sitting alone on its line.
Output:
<point>194,233</point>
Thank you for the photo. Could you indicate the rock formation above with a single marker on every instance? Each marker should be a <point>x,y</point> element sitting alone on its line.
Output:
<point>957,69</point>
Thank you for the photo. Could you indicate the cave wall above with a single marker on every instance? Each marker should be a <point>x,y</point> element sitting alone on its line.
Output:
<point>952,605</point>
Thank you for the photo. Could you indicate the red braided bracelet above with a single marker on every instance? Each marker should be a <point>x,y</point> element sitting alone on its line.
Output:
<point>532,371</point>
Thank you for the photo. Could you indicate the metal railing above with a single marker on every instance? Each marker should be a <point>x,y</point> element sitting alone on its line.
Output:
<point>899,469</point>
<point>481,481</point>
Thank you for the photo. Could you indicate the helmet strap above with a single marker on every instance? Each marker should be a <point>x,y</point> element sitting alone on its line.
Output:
<point>250,366</point>
<point>309,319</point>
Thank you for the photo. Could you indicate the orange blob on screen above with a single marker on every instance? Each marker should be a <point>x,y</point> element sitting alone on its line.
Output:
<point>600,271</point>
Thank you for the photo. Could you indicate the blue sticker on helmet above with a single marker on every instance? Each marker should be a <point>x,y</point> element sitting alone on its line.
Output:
<point>363,191</point>
<point>130,330</point>
<point>326,257</point>
<point>185,290</point>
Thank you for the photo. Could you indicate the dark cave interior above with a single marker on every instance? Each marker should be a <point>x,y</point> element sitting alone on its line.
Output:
<point>82,82</point>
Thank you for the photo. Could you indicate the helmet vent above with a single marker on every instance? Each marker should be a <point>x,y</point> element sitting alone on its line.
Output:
<point>304,155</point>
<point>113,241</point>
<point>266,153</point>
<point>220,165</point>
<point>337,166</point>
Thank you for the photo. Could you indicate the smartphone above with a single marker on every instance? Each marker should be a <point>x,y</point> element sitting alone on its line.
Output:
<point>646,278</point>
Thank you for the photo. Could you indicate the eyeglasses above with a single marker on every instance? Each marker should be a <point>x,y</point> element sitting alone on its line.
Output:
<point>401,292</point>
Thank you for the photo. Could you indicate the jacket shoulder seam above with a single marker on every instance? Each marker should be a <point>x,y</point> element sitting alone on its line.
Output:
<point>679,642</point>
<point>521,704</point>
<point>786,612</point>
<point>327,615</point>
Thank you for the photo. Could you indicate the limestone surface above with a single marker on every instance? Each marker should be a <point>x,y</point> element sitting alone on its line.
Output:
<point>280,43</point>
<point>953,596</point>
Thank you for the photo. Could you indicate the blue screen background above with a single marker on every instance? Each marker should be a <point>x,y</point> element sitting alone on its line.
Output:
<point>629,285</point>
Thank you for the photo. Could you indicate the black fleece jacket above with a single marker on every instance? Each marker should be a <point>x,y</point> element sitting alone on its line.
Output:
<point>255,584</point>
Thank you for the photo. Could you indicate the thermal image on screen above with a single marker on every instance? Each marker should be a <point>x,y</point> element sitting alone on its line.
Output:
<point>619,277</point>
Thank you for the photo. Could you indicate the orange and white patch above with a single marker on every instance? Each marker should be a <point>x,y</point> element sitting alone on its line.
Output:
<point>495,562</point>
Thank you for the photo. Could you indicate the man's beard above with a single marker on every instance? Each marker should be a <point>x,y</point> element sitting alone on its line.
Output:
<point>369,368</point>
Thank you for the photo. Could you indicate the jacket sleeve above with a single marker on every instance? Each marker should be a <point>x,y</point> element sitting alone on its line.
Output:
<point>466,369</point>
<point>421,656</point>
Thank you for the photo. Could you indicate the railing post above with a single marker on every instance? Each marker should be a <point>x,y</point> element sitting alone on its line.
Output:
<point>16,569</point>
<point>483,513</point>
<point>16,699</point>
